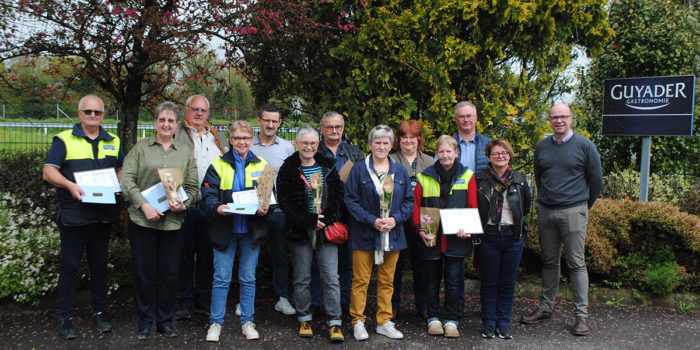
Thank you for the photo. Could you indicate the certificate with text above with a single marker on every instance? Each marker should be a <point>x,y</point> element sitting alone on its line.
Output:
<point>467,219</point>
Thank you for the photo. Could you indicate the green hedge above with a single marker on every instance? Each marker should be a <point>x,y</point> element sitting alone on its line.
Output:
<point>650,246</point>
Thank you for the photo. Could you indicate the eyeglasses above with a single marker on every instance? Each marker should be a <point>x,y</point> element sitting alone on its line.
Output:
<point>499,154</point>
<point>382,127</point>
<point>241,138</point>
<point>333,127</point>
<point>91,111</point>
<point>307,144</point>
<point>556,117</point>
<point>198,110</point>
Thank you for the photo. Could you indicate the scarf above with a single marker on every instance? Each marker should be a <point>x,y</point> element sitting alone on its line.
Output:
<point>498,186</point>
<point>445,178</point>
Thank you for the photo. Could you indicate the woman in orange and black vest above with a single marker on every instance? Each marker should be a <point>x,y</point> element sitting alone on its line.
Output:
<point>445,184</point>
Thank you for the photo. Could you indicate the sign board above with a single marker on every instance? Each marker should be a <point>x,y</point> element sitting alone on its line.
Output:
<point>653,106</point>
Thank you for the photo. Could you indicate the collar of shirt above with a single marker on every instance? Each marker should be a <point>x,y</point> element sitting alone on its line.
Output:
<point>207,129</point>
<point>460,139</point>
<point>103,135</point>
<point>256,141</point>
<point>152,141</point>
<point>566,138</point>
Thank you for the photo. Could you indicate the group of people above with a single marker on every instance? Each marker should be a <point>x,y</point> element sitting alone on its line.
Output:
<point>321,187</point>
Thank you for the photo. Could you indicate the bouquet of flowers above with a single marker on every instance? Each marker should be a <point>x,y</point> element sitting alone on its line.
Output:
<point>316,184</point>
<point>386,197</point>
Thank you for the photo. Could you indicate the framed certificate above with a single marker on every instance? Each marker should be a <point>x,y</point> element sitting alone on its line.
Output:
<point>467,219</point>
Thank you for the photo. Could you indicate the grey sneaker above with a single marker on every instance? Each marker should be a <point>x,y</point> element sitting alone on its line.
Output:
<point>285,307</point>
<point>238,309</point>
<point>389,330</point>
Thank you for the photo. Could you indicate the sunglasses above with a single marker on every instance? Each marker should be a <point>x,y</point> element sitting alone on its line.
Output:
<point>91,111</point>
<point>382,127</point>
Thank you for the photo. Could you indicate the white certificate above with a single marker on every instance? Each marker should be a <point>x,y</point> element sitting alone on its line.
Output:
<point>467,219</point>
<point>249,197</point>
<point>155,195</point>
<point>98,178</point>
<point>242,208</point>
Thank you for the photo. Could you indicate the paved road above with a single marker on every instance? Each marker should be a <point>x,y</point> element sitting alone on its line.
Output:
<point>613,327</point>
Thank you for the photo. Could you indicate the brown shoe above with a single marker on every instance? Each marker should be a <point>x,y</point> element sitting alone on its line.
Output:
<point>423,314</point>
<point>580,326</point>
<point>535,316</point>
<point>394,313</point>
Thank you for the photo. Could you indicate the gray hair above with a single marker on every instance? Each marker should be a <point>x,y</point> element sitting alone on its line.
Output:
<point>331,114</point>
<point>168,106</point>
<point>380,131</point>
<point>189,100</point>
<point>464,104</point>
<point>82,100</point>
<point>306,130</point>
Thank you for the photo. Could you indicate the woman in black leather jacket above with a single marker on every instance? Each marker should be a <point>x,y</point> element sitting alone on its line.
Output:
<point>503,200</point>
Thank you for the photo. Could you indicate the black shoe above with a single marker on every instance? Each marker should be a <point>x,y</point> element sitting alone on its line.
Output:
<point>460,310</point>
<point>66,329</point>
<point>144,333</point>
<point>102,322</point>
<point>167,331</point>
<point>504,332</point>
<point>183,313</point>
<point>345,308</point>
<point>488,332</point>
<point>201,309</point>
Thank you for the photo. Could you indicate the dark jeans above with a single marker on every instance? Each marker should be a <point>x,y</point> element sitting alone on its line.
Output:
<point>197,261</point>
<point>453,270</point>
<point>155,251</point>
<point>278,251</point>
<point>74,240</point>
<point>499,258</point>
<point>344,273</point>
<point>413,254</point>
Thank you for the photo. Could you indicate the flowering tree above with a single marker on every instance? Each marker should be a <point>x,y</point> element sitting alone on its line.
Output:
<point>130,49</point>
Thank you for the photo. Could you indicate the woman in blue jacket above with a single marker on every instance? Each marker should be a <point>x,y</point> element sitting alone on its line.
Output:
<point>236,170</point>
<point>362,191</point>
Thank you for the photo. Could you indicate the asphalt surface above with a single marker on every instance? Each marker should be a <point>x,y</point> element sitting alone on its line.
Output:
<point>612,327</point>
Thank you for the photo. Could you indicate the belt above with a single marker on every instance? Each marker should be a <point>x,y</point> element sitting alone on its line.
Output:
<point>500,228</point>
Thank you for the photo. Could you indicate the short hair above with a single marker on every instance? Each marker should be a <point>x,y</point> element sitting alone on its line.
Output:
<point>409,128</point>
<point>446,139</point>
<point>168,106</point>
<point>189,100</point>
<point>464,104</point>
<point>82,100</point>
<point>268,107</point>
<point>306,130</point>
<point>498,142</point>
<point>380,131</point>
<point>240,125</point>
<point>331,114</point>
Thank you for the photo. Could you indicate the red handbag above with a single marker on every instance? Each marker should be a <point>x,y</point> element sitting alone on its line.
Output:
<point>336,233</point>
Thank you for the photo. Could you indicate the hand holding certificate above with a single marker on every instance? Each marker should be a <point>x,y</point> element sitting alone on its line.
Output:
<point>466,219</point>
<point>99,185</point>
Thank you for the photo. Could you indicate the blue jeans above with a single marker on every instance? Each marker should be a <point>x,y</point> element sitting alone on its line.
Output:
<point>499,258</point>
<point>453,268</point>
<point>194,278</point>
<point>327,256</point>
<point>223,269</point>
<point>278,252</point>
<point>344,273</point>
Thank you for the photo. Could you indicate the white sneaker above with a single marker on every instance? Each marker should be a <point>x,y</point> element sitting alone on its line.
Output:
<point>285,307</point>
<point>389,330</point>
<point>359,331</point>
<point>249,331</point>
<point>214,332</point>
<point>238,309</point>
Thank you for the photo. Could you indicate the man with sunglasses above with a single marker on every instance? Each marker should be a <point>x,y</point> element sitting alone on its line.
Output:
<point>83,226</point>
<point>569,179</point>
<point>196,263</point>
<point>333,146</point>
<point>275,150</point>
